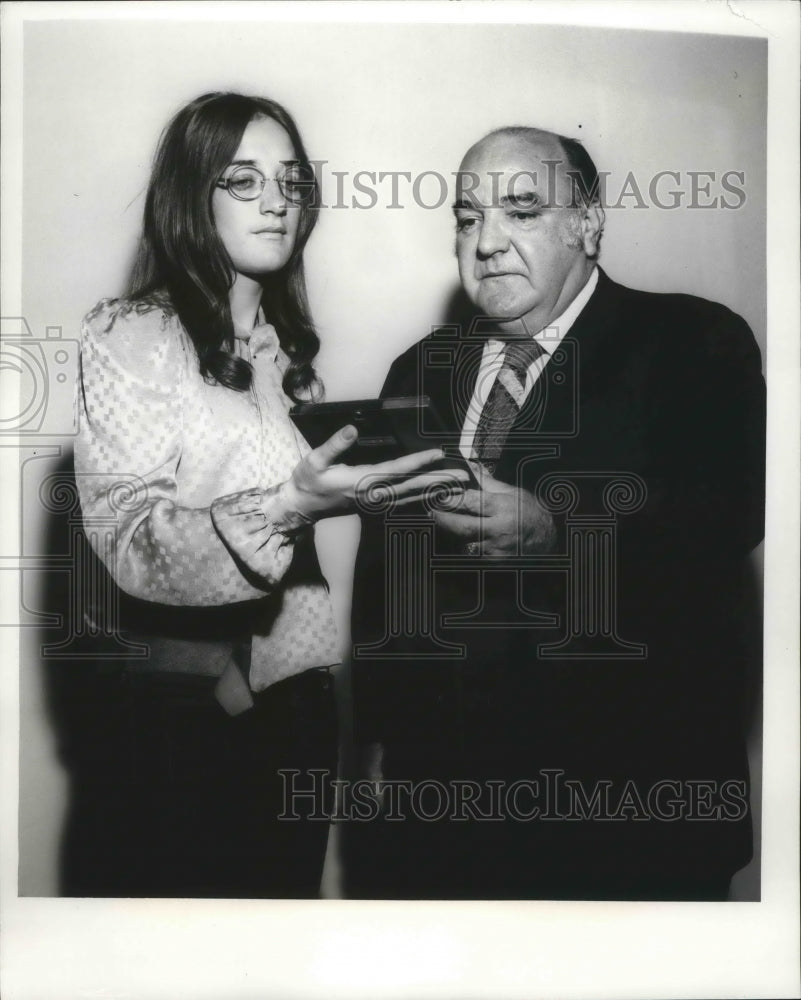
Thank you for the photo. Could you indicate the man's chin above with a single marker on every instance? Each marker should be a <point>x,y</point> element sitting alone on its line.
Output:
<point>512,322</point>
<point>504,308</point>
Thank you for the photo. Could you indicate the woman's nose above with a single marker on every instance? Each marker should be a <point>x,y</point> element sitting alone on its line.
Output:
<point>272,198</point>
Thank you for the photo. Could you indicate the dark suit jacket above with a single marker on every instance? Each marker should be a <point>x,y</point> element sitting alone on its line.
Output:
<point>664,394</point>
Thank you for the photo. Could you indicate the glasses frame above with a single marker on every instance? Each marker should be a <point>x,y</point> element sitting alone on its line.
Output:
<point>307,185</point>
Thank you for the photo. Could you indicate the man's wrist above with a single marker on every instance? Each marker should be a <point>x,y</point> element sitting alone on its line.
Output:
<point>542,536</point>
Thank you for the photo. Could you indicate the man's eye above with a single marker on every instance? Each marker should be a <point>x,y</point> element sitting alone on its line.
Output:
<point>525,217</point>
<point>463,225</point>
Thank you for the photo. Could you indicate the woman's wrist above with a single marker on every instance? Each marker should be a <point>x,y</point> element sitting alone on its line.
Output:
<point>281,506</point>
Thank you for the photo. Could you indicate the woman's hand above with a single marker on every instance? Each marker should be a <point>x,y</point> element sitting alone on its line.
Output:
<point>320,486</point>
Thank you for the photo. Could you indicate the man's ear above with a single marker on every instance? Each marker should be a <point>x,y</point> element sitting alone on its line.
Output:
<point>592,227</point>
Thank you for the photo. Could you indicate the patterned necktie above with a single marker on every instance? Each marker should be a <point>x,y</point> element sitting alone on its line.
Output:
<point>505,401</point>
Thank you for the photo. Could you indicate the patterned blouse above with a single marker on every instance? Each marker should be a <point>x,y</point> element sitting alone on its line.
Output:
<point>182,469</point>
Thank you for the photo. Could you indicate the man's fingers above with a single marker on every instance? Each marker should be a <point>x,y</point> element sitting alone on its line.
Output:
<point>491,486</point>
<point>473,503</point>
<point>469,502</point>
<point>464,526</point>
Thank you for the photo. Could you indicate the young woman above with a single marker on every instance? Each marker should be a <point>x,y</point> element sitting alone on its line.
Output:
<point>198,495</point>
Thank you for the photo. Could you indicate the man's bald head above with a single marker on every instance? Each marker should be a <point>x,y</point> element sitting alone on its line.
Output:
<point>564,153</point>
<point>528,225</point>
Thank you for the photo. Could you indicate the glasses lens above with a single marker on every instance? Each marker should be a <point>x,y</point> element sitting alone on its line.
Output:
<point>246,183</point>
<point>297,183</point>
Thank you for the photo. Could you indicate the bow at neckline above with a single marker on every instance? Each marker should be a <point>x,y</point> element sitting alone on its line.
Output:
<point>262,339</point>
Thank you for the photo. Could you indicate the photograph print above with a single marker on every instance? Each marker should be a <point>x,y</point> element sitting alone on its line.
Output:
<point>495,631</point>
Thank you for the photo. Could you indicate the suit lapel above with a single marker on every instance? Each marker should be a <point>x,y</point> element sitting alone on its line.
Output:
<point>450,379</point>
<point>595,325</point>
<point>451,370</point>
<point>571,374</point>
<point>551,415</point>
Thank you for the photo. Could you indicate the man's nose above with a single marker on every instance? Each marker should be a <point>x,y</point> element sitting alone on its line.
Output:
<point>272,198</point>
<point>494,235</point>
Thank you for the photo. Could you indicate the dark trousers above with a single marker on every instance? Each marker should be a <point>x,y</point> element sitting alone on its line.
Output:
<point>425,843</point>
<point>171,797</point>
<point>497,730</point>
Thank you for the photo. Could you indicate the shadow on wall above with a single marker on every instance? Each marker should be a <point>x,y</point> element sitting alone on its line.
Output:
<point>84,601</point>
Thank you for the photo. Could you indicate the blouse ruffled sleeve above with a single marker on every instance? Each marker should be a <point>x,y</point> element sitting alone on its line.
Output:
<point>133,365</point>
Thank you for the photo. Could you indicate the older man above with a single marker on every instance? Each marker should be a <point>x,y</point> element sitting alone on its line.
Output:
<point>551,679</point>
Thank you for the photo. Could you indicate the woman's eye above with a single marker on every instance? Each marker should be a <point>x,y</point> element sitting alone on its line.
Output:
<point>245,182</point>
<point>298,183</point>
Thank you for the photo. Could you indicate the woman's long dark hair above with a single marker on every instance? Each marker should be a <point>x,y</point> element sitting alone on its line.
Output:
<point>180,251</point>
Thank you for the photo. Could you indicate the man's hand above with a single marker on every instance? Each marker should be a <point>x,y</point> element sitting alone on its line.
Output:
<point>498,519</point>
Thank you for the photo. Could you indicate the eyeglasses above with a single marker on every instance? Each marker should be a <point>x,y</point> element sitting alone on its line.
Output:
<point>246,183</point>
